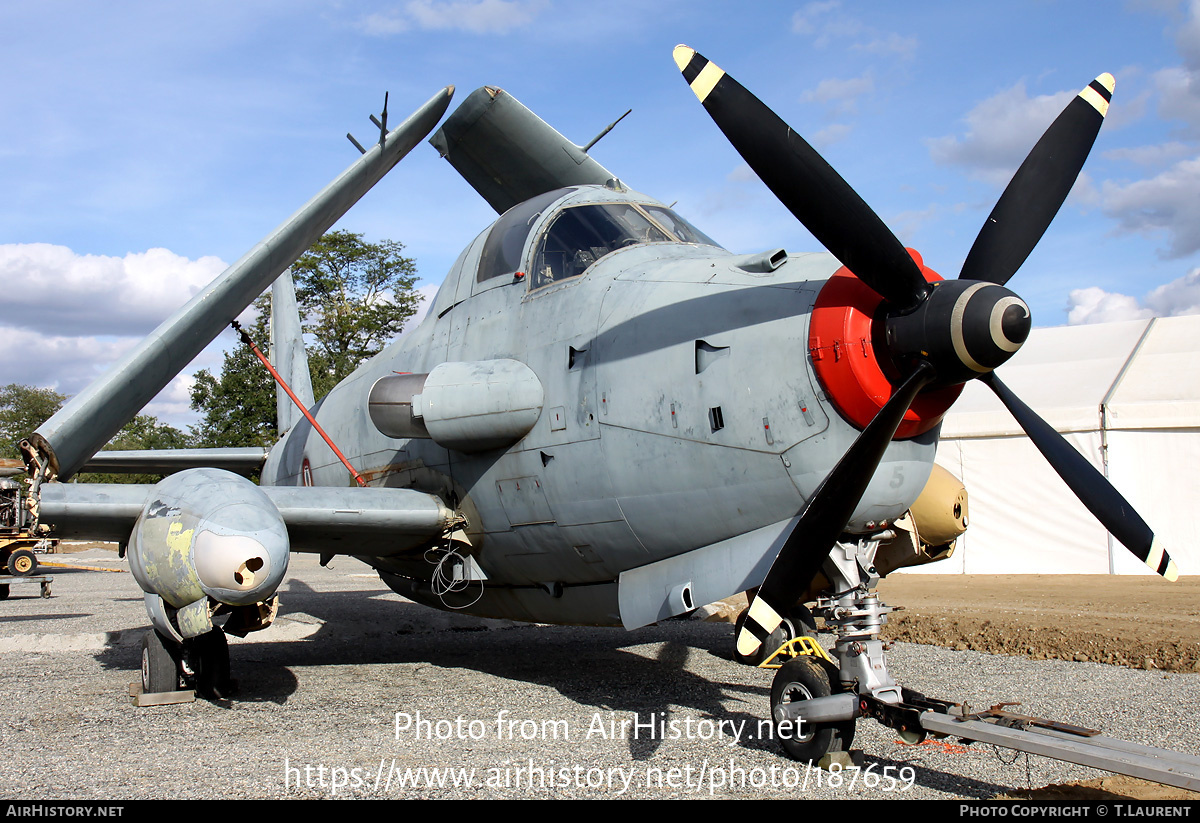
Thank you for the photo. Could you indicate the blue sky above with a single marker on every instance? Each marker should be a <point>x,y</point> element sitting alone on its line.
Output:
<point>146,145</point>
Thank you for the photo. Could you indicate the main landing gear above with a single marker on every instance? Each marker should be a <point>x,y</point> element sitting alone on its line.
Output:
<point>816,701</point>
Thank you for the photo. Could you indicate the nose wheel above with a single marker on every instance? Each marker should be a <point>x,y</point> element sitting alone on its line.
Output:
<point>202,663</point>
<point>161,670</point>
<point>208,658</point>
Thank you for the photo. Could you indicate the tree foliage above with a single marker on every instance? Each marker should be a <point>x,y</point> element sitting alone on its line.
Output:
<point>142,432</point>
<point>353,297</point>
<point>22,410</point>
<point>239,404</point>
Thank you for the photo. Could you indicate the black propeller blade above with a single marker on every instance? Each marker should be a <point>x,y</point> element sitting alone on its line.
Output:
<point>1090,486</point>
<point>806,184</point>
<point>825,516</point>
<point>1038,189</point>
<point>940,331</point>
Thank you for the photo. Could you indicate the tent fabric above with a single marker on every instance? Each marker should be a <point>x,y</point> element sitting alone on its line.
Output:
<point>1127,396</point>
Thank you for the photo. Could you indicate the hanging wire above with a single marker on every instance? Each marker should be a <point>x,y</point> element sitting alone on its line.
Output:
<point>443,581</point>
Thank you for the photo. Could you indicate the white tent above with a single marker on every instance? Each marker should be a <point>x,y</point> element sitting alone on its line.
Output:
<point>1127,396</point>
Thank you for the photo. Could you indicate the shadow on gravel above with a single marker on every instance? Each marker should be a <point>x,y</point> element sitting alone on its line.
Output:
<point>613,670</point>
<point>19,618</point>
<point>936,779</point>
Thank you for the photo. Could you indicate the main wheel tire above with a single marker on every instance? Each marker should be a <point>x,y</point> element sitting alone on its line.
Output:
<point>22,563</point>
<point>782,634</point>
<point>803,678</point>
<point>160,664</point>
<point>4,591</point>
<point>209,658</point>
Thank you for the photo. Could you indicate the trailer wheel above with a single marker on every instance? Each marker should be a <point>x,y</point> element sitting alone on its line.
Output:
<point>22,563</point>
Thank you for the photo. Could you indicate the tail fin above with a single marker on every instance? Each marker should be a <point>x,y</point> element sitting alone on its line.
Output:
<point>288,354</point>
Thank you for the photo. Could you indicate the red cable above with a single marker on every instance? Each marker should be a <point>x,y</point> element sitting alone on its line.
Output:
<point>246,339</point>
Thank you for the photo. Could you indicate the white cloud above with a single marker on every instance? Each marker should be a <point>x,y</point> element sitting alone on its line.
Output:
<point>1152,156</point>
<point>891,43</point>
<point>841,95</point>
<point>473,16</point>
<point>1179,86</point>
<point>805,20</point>
<point>52,289</point>
<point>829,135</point>
<point>1094,305</point>
<point>1000,133</point>
<point>818,21</point>
<point>69,317</point>
<point>427,292</point>
<point>1168,202</point>
<point>1187,37</point>
<point>1179,97</point>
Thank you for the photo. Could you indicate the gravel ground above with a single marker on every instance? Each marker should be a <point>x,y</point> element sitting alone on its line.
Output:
<point>321,692</point>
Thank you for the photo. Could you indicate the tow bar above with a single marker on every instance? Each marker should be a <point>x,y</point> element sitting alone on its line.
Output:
<point>1035,735</point>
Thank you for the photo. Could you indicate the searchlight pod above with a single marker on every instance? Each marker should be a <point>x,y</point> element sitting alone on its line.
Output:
<point>468,407</point>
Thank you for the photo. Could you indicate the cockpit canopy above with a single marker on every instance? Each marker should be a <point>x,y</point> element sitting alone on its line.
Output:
<point>576,236</point>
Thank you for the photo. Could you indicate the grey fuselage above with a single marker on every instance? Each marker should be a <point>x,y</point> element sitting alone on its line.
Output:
<point>680,410</point>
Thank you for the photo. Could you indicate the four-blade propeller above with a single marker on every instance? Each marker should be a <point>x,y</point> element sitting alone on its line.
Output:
<point>938,334</point>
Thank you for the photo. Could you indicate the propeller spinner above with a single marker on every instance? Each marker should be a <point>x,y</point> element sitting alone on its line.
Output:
<point>937,334</point>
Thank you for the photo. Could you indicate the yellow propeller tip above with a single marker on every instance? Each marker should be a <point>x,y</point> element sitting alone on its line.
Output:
<point>1108,81</point>
<point>683,55</point>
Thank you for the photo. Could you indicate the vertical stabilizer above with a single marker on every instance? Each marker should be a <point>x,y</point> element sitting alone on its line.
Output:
<point>288,354</point>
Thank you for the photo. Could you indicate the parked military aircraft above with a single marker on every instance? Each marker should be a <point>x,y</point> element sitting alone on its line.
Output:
<point>605,419</point>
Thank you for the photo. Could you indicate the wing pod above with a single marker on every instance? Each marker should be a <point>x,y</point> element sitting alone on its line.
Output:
<point>468,407</point>
<point>207,534</point>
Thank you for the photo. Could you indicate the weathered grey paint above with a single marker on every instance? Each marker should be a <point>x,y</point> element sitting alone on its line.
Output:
<point>318,519</point>
<point>622,468</point>
<point>288,354</point>
<point>507,153</point>
<point>622,499</point>
<point>245,460</point>
<point>208,533</point>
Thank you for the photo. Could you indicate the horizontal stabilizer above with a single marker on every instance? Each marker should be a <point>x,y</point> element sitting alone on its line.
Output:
<point>167,461</point>
<point>508,154</point>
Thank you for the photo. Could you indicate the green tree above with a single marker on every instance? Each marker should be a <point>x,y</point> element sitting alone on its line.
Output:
<point>239,404</point>
<point>353,298</point>
<point>142,432</point>
<point>22,410</point>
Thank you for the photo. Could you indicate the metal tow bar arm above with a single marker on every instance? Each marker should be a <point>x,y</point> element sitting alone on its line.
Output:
<point>1119,756</point>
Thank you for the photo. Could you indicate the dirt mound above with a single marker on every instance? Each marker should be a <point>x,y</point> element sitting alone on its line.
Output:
<point>1141,622</point>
